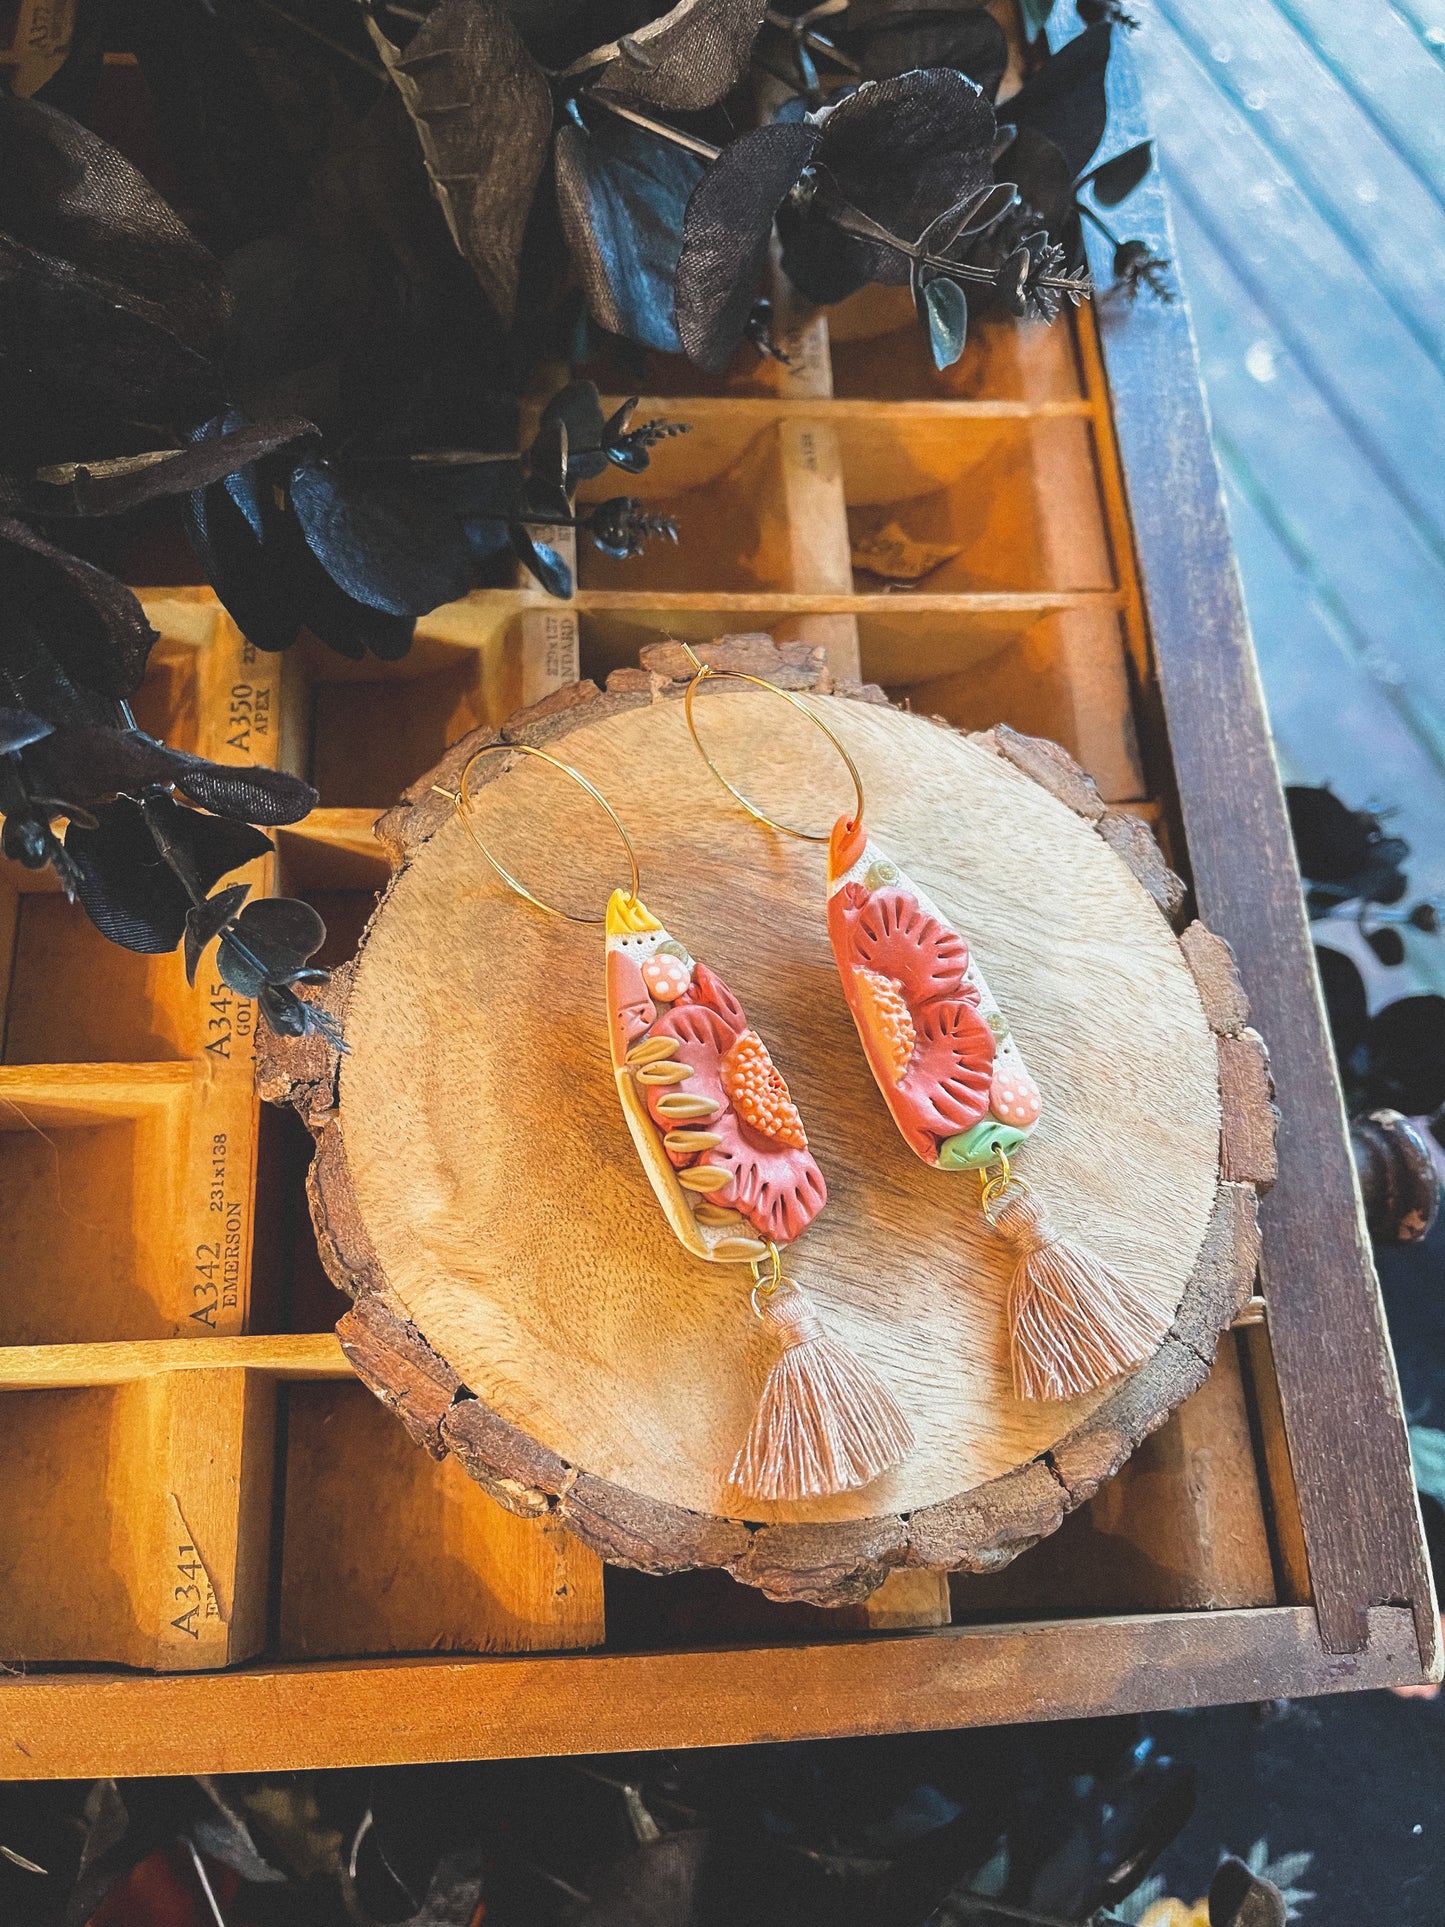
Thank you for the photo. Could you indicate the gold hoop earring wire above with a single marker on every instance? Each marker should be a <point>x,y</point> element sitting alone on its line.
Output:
<point>461,801</point>
<point>706,673</point>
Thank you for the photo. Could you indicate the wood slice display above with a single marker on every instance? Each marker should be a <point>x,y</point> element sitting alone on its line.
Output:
<point>520,1299</point>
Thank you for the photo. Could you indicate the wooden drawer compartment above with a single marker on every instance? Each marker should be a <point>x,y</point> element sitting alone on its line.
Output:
<point>179,1426</point>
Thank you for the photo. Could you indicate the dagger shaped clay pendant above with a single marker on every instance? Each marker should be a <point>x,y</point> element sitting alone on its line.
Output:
<point>725,1152</point>
<point>959,1091</point>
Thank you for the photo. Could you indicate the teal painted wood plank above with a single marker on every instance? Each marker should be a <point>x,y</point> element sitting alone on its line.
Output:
<point>1273,426</point>
<point>1322,137</point>
<point>1384,61</point>
<point>1324,306</point>
<point>1331,725</point>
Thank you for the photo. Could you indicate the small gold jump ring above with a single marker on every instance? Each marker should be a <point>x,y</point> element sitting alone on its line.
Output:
<point>706,672</point>
<point>461,800</point>
<point>765,1289</point>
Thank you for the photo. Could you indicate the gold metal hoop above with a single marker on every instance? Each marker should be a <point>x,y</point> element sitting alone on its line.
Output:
<point>461,801</point>
<point>764,1288</point>
<point>706,672</point>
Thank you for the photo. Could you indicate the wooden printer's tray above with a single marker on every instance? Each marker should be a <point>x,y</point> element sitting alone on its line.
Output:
<point>219,1552</point>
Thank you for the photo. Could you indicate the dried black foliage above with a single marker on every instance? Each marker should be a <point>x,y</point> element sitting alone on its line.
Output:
<point>485,84</point>
<point>393,212</point>
<point>1353,871</point>
<point>917,1831</point>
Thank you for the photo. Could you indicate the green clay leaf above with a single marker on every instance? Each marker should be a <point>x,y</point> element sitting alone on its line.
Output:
<point>972,1150</point>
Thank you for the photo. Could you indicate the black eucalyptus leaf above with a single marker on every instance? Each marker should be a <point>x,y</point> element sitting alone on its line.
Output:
<point>83,372</point>
<point>1040,173</point>
<point>385,547</point>
<point>238,969</point>
<point>1404,1053</point>
<point>93,625</point>
<point>947,306</point>
<point>1346,1003</point>
<point>256,558</point>
<point>900,152</point>
<point>88,764</point>
<point>542,559</point>
<point>205,921</point>
<point>19,729</point>
<point>282,933</point>
<point>726,236</point>
<point>889,37</point>
<point>199,848</point>
<point>546,497</point>
<point>1065,99</point>
<point>71,196</point>
<point>1116,179</point>
<point>685,58</point>
<point>483,114</point>
<point>123,882</point>
<point>1387,944</point>
<point>622,194</point>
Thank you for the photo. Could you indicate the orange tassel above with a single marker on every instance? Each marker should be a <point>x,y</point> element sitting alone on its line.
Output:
<point>1074,1324</point>
<point>826,1422</point>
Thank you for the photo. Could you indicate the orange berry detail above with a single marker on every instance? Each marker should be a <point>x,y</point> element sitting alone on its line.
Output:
<point>886,1021</point>
<point>759,1095</point>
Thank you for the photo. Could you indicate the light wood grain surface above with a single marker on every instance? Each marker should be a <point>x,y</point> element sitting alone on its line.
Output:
<point>501,1193</point>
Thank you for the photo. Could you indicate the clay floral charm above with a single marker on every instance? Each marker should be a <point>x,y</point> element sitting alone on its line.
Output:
<point>960,1093</point>
<point>726,1153</point>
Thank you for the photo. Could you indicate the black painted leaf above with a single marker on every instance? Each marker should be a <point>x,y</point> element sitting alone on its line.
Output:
<point>1346,1004</point>
<point>901,35</point>
<point>390,549</point>
<point>947,306</point>
<point>124,884</point>
<point>282,932</point>
<point>1331,841</point>
<point>901,151</point>
<point>256,559</point>
<point>245,974</point>
<point>688,58</point>
<point>1011,279</point>
<point>70,195</point>
<point>729,223</point>
<point>19,729</point>
<point>1045,184</point>
<point>1387,944</point>
<point>91,623</point>
<point>622,195</point>
<point>206,920</point>
<point>87,764</point>
<point>483,112</point>
<point>1116,180</point>
<point>542,559</point>
<point>1065,99</point>
<point>200,848</point>
<point>1405,1055</point>
<point>1239,1898</point>
<point>80,370</point>
<point>578,407</point>
<point>545,496</point>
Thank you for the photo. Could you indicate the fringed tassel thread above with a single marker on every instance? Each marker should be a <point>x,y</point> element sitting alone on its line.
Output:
<point>1074,1324</point>
<point>826,1422</point>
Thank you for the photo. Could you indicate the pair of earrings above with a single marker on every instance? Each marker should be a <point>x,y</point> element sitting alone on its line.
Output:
<point>726,1152</point>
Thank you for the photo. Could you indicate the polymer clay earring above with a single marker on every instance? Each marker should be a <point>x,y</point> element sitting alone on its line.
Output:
<point>725,1151</point>
<point>955,1082</point>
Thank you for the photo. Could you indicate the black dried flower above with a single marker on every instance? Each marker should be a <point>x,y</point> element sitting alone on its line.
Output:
<point>1138,269</point>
